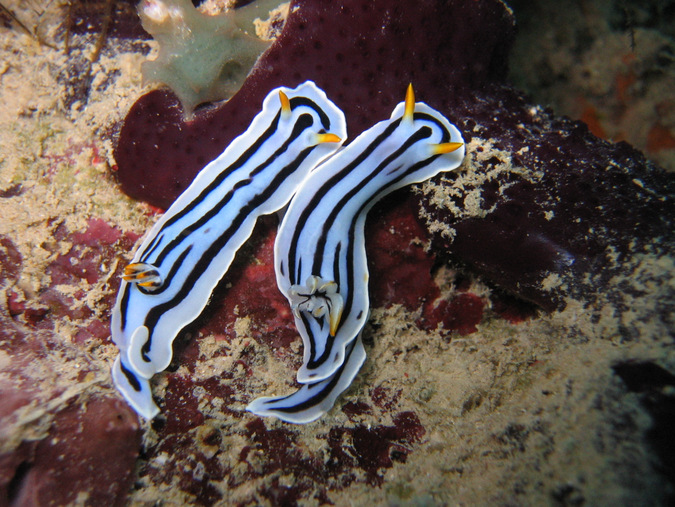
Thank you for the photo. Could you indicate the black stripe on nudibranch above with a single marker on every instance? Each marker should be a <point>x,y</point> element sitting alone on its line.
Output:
<point>304,101</point>
<point>131,378</point>
<point>123,303</point>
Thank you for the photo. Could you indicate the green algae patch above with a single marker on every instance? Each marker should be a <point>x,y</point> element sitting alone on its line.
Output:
<point>201,58</point>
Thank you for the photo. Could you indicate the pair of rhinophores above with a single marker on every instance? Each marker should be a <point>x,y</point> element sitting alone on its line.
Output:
<point>290,152</point>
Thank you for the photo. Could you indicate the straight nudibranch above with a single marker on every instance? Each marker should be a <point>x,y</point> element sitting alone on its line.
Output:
<point>184,256</point>
<point>320,255</point>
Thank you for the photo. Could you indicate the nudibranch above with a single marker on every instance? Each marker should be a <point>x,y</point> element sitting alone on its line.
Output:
<point>183,257</point>
<point>320,255</point>
<point>311,401</point>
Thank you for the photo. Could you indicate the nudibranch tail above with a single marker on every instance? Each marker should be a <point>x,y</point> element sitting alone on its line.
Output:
<point>311,401</point>
<point>322,234</point>
<point>136,390</point>
<point>192,246</point>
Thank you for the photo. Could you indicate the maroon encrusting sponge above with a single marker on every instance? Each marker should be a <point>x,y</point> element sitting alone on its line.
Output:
<point>362,53</point>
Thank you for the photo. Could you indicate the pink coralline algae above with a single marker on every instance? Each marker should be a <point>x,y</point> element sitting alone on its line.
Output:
<point>92,435</point>
<point>90,251</point>
<point>83,435</point>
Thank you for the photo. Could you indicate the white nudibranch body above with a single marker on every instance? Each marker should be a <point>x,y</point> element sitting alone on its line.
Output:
<point>187,252</point>
<point>320,256</point>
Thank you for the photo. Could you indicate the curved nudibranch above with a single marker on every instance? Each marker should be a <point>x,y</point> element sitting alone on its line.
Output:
<point>183,257</point>
<point>311,401</point>
<point>320,255</point>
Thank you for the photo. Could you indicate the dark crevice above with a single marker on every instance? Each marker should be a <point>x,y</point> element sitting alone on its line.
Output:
<point>16,484</point>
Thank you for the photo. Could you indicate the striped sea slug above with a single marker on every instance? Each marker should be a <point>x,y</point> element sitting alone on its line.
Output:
<point>183,257</point>
<point>320,255</point>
